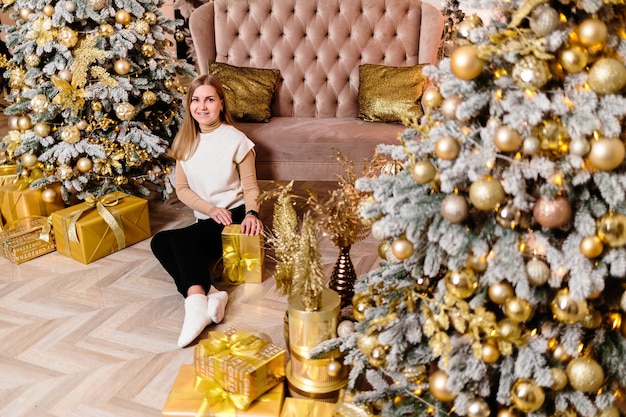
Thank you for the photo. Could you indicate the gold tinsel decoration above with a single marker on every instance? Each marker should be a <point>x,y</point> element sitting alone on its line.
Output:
<point>308,277</point>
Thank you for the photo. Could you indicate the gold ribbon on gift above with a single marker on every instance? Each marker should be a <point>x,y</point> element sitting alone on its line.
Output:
<point>101,204</point>
<point>217,399</point>
<point>237,263</point>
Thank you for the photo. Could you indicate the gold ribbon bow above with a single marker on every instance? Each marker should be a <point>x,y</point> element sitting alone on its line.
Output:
<point>242,343</point>
<point>236,263</point>
<point>222,402</point>
<point>101,204</point>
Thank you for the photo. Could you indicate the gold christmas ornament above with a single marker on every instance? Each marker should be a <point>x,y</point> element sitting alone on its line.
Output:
<point>39,103</point>
<point>29,160</point>
<point>559,379</point>
<point>120,180</point>
<point>447,148</point>
<point>465,63</point>
<point>476,263</point>
<point>486,193</point>
<point>147,50</point>
<point>585,374</point>
<point>148,98</point>
<point>65,74</point>
<point>490,352</point>
<point>422,283</point>
<point>97,4</point>
<point>366,343</point>
<point>454,208</point>
<point>508,329</point>
<point>179,36</point>
<point>122,17</point>
<point>611,229</point>
<point>468,24</point>
<point>507,139</point>
<point>378,356</point>
<point>49,195</point>
<point>70,134</point>
<point>41,129</point>
<point>573,59</point>
<point>345,328</point>
<point>142,27</point>
<point>106,30</point>
<point>12,122</point>
<point>552,212</point>
<point>527,396</point>
<point>69,6</point>
<point>82,124</point>
<point>333,368</point>
<point>385,252</point>
<point>360,303</point>
<point>461,283</point>
<point>423,171</point>
<point>449,106</point>
<point>67,37</point>
<point>48,10</point>
<point>506,412</point>
<point>500,292</point>
<point>579,147</point>
<point>538,272</point>
<point>431,98</point>
<point>531,72</point>
<point>592,320</point>
<point>591,246</point>
<point>150,17</point>
<point>517,309</point>
<point>544,20</point>
<point>24,123</point>
<point>84,164</point>
<point>592,32</point>
<point>415,373</point>
<point>509,216</point>
<point>125,111</point>
<point>121,67</point>
<point>402,248</point>
<point>607,76</point>
<point>606,154</point>
<point>566,309</point>
<point>478,407</point>
<point>437,384</point>
<point>65,172</point>
<point>32,60</point>
<point>17,78</point>
<point>25,14</point>
<point>560,354</point>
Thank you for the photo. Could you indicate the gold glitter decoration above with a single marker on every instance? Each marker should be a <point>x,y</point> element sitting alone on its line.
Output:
<point>68,96</point>
<point>40,31</point>
<point>142,27</point>
<point>531,72</point>
<point>149,98</point>
<point>85,56</point>
<point>147,50</point>
<point>67,37</point>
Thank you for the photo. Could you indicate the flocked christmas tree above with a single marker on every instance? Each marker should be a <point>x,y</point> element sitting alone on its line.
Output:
<point>95,97</point>
<point>501,290</point>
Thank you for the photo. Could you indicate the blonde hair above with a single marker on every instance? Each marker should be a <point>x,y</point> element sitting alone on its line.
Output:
<point>186,140</point>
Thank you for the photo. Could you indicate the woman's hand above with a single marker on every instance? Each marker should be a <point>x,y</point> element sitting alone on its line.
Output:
<point>221,215</point>
<point>251,225</point>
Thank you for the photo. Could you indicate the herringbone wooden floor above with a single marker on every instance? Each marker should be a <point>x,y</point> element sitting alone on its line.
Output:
<point>99,340</point>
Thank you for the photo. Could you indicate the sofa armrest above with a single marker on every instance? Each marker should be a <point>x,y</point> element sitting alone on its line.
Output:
<point>201,27</point>
<point>431,32</point>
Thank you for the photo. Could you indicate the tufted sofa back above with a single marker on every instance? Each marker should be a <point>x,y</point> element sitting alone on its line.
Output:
<point>317,45</point>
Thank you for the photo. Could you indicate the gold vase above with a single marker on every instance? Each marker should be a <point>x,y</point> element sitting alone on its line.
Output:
<point>343,277</point>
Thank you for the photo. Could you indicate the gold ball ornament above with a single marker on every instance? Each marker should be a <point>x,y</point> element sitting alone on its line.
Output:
<point>507,139</point>
<point>592,32</point>
<point>125,111</point>
<point>431,98</point>
<point>67,37</point>
<point>402,248</point>
<point>345,328</point>
<point>537,271</point>
<point>70,134</point>
<point>506,412</point>
<point>566,309</point>
<point>333,368</point>
<point>559,379</point>
<point>120,180</point>
<point>591,246</point>
<point>465,63</point>
<point>486,193</point>
<point>361,302</point>
<point>69,6</point>
<point>179,36</point>
<point>65,74</point>
<point>25,13</point>
<point>527,396</point>
<point>29,160</point>
<point>476,263</point>
<point>148,98</point>
<point>423,171</point>
<point>573,59</point>
<point>606,154</point>
<point>378,356</point>
<point>122,17</point>
<point>468,24</point>
<point>531,72</point>
<point>585,374</point>
<point>49,195</point>
<point>97,4</point>
<point>121,67</point>
<point>544,20</point>
<point>366,343</point>
<point>447,148</point>
<point>609,412</point>
<point>509,329</point>
<point>106,30</point>
<point>579,147</point>
<point>509,216</point>
<point>478,407</point>
<point>592,320</point>
<point>82,124</point>
<point>461,283</point>
<point>39,103</point>
<point>48,10</point>
<point>490,352</point>
<point>500,292</point>
<point>437,384</point>
<point>142,27</point>
<point>385,252</point>
<point>552,213</point>
<point>607,76</point>
<point>65,172</point>
<point>454,208</point>
<point>32,60</point>
<point>84,164</point>
<point>517,309</point>
<point>422,283</point>
<point>559,353</point>
<point>150,17</point>
<point>41,129</point>
<point>147,50</point>
<point>12,122</point>
<point>24,123</point>
<point>449,106</point>
<point>414,373</point>
<point>611,229</point>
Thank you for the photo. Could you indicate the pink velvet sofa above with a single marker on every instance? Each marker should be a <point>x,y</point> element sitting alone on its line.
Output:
<point>318,46</point>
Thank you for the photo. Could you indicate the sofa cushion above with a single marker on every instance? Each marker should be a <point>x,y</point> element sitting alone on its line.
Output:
<point>390,94</point>
<point>249,91</point>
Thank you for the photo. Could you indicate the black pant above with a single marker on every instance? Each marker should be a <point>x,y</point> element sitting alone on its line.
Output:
<point>186,253</point>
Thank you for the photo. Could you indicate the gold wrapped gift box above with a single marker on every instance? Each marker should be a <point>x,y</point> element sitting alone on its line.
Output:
<point>94,229</point>
<point>194,396</point>
<point>26,239</point>
<point>300,407</point>
<point>16,203</point>
<point>241,362</point>
<point>243,256</point>
<point>8,174</point>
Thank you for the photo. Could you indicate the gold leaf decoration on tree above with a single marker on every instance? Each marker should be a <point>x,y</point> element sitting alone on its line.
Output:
<point>308,272</point>
<point>85,55</point>
<point>41,30</point>
<point>68,96</point>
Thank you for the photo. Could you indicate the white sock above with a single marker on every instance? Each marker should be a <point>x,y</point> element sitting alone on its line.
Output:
<point>216,305</point>
<point>195,319</point>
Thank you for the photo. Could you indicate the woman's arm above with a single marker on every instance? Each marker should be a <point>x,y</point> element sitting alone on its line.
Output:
<point>247,174</point>
<point>187,196</point>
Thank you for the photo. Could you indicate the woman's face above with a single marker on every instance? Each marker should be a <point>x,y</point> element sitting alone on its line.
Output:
<point>205,105</point>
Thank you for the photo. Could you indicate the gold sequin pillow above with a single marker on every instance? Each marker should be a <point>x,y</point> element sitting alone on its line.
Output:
<point>390,94</point>
<point>248,91</point>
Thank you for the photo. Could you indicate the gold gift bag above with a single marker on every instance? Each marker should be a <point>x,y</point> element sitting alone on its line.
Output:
<point>243,256</point>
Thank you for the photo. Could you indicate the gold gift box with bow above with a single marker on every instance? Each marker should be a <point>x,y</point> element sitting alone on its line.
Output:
<point>194,396</point>
<point>26,239</point>
<point>8,174</point>
<point>17,203</point>
<point>99,227</point>
<point>243,256</point>
<point>241,362</point>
